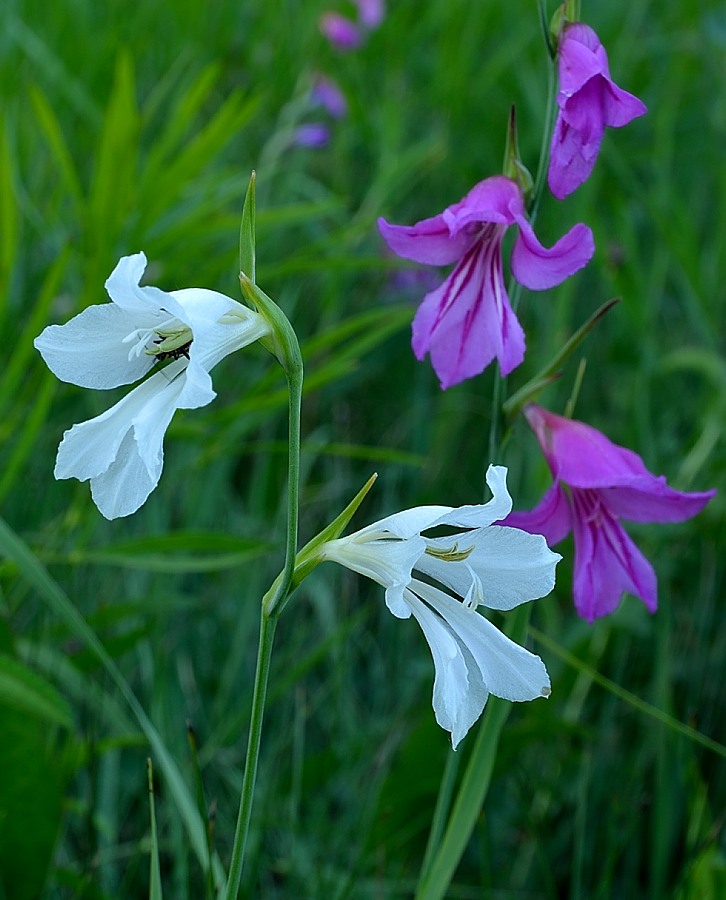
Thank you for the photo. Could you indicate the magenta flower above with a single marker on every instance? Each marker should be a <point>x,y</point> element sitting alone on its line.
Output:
<point>311,134</point>
<point>596,483</point>
<point>340,31</point>
<point>467,321</point>
<point>588,100</point>
<point>326,93</point>
<point>370,12</point>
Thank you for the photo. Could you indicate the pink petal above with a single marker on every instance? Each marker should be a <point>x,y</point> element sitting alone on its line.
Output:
<point>571,159</point>
<point>552,518</point>
<point>538,268</point>
<point>428,241</point>
<point>580,455</point>
<point>581,57</point>
<point>649,499</point>
<point>607,562</point>
<point>497,199</point>
<point>341,32</point>
<point>468,321</point>
<point>443,239</point>
<point>370,12</point>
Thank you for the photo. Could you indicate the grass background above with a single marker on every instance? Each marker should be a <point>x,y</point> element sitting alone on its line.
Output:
<point>135,126</point>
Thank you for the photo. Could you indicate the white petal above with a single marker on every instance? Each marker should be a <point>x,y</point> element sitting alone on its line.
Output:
<point>483,514</point>
<point>508,670</point>
<point>121,450</point>
<point>459,692</point>
<point>512,565</point>
<point>408,522</point>
<point>89,350</point>
<point>123,288</point>
<point>388,563</point>
<point>215,339</point>
<point>126,484</point>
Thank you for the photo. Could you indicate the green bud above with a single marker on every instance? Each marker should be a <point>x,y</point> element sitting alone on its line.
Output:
<point>513,167</point>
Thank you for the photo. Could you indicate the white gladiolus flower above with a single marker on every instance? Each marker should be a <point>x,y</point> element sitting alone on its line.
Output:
<point>121,451</point>
<point>479,564</point>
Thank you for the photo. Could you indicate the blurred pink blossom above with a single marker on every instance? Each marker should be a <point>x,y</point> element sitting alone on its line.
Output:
<point>340,31</point>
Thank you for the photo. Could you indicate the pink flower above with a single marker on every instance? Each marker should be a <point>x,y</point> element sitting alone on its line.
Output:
<point>311,134</point>
<point>370,12</point>
<point>596,483</point>
<point>341,32</point>
<point>588,100</point>
<point>467,321</point>
<point>326,93</point>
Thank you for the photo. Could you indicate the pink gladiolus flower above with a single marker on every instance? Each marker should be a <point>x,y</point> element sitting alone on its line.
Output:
<point>467,321</point>
<point>326,93</point>
<point>596,483</point>
<point>589,101</point>
<point>311,134</point>
<point>370,12</point>
<point>341,32</point>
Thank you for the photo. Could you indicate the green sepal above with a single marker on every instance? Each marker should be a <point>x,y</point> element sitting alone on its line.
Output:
<point>513,166</point>
<point>569,11</point>
<point>551,372</point>
<point>309,556</point>
<point>282,343</point>
<point>247,231</point>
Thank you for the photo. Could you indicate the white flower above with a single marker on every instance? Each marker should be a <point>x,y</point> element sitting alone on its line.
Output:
<point>121,451</point>
<point>480,563</point>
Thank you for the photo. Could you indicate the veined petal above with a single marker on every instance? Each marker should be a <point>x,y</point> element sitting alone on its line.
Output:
<point>538,268</point>
<point>459,692</point>
<point>496,200</point>
<point>505,567</point>
<point>607,562</point>
<point>649,499</point>
<point>552,517</point>
<point>582,456</point>
<point>468,321</point>
<point>428,241</point>
<point>571,158</point>
<point>89,350</point>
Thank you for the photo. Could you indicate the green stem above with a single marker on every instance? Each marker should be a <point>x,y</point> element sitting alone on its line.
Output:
<point>272,604</point>
<point>544,152</point>
<point>262,673</point>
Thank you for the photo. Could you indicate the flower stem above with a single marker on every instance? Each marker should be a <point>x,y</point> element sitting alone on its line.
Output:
<point>264,657</point>
<point>272,604</point>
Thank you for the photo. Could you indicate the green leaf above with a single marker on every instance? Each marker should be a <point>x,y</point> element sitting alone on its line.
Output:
<point>155,874</point>
<point>37,576</point>
<point>178,552</point>
<point>26,691</point>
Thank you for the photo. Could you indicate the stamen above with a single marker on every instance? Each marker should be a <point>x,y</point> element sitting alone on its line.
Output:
<point>450,554</point>
<point>475,594</point>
